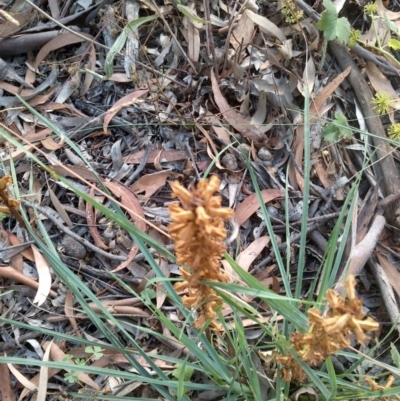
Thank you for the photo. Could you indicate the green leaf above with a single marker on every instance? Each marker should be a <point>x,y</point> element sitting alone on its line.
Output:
<point>394,44</point>
<point>330,133</point>
<point>71,377</point>
<point>120,42</point>
<point>337,129</point>
<point>186,371</point>
<point>333,26</point>
<point>96,351</point>
<point>395,355</point>
<point>190,14</point>
<point>390,24</point>
<point>67,357</point>
<point>343,30</point>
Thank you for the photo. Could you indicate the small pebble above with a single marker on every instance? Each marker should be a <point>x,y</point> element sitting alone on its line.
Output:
<point>265,155</point>
<point>230,162</point>
<point>73,248</point>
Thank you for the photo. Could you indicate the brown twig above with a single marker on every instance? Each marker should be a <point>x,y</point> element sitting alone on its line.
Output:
<point>12,274</point>
<point>67,231</point>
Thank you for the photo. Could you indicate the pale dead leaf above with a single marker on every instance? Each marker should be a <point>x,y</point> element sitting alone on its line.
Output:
<point>43,270</point>
<point>223,134</point>
<point>44,376</point>
<point>150,183</point>
<point>14,89</point>
<point>35,380</point>
<point>308,78</point>
<point>242,33</point>
<point>21,378</point>
<point>59,207</point>
<point>250,205</point>
<point>379,81</point>
<point>17,154</point>
<point>157,163</point>
<point>266,26</point>
<point>247,256</point>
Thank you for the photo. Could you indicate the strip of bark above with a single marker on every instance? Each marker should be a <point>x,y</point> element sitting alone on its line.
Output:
<point>387,168</point>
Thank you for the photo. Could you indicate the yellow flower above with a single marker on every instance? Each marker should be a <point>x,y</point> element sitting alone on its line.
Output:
<point>394,132</point>
<point>383,102</point>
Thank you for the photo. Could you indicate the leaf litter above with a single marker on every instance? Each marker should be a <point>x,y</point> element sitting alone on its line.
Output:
<point>152,93</point>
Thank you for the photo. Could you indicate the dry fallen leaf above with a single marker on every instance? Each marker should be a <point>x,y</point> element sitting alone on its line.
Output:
<point>233,117</point>
<point>150,183</point>
<point>128,199</point>
<point>171,155</point>
<point>125,101</point>
<point>391,272</point>
<point>248,255</point>
<point>250,205</point>
<point>6,391</point>
<point>21,378</point>
<point>62,40</point>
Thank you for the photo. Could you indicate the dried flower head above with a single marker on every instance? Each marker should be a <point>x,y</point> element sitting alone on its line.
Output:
<point>198,231</point>
<point>376,387</point>
<point>330,333</point>
<point>5,196</point>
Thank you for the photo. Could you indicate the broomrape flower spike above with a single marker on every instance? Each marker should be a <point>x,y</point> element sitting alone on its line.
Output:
<point>375,387</point>
<point>198,231</point>
<point>329,333</point>
<point>5,196</point>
